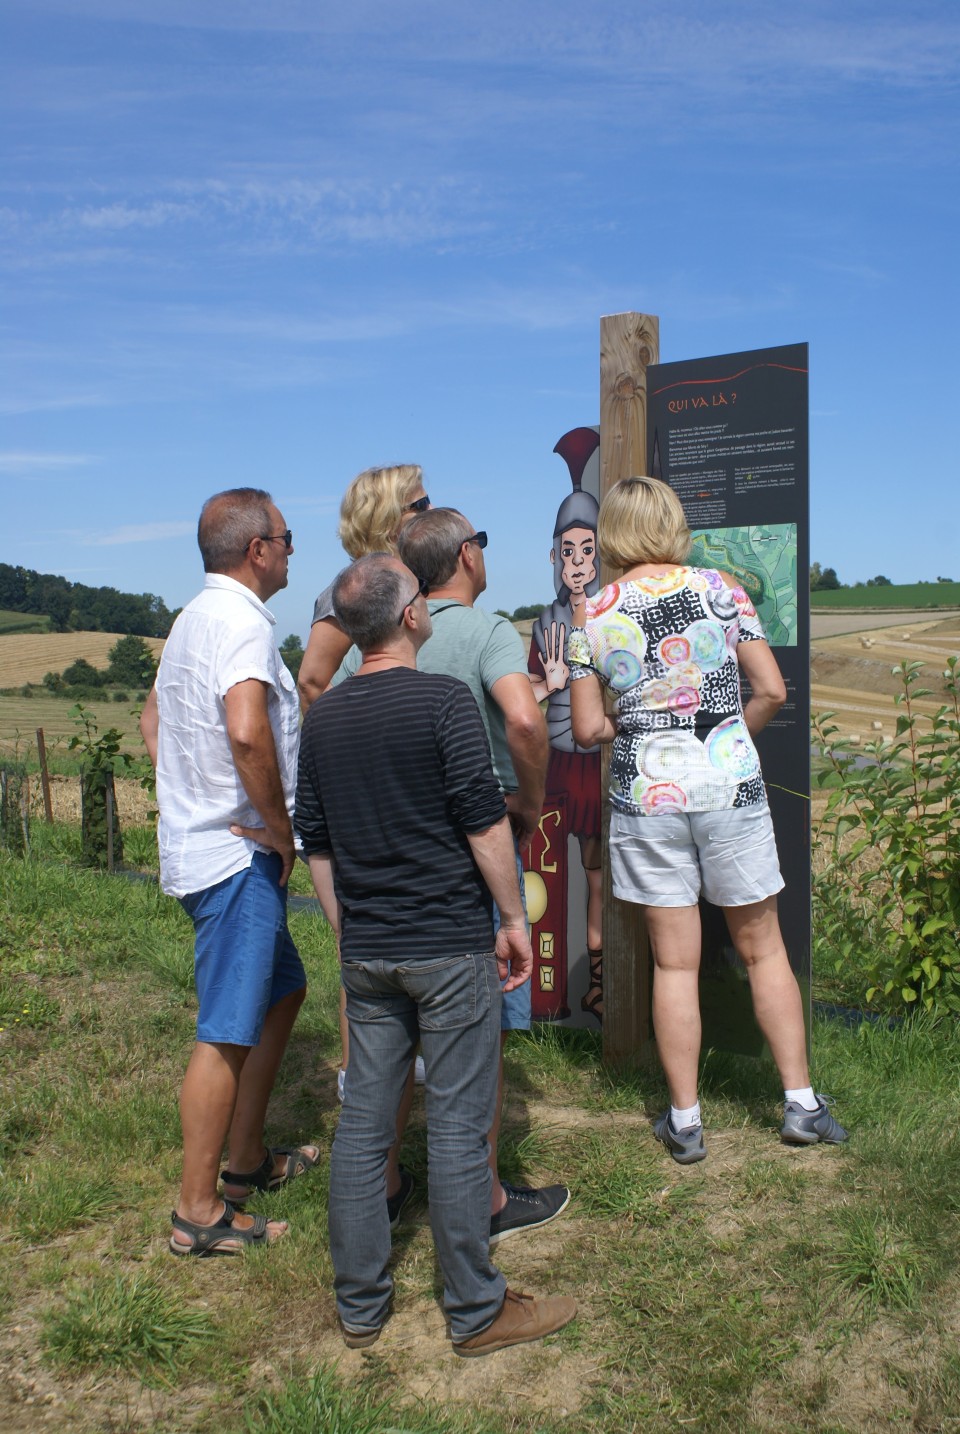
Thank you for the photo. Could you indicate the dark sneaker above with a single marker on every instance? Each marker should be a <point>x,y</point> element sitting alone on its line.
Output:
<point>807,1127</point>
<point>521,1319</point>
<point>396,1203</point>
<point>527,1210</point>
<point>686,1145</point>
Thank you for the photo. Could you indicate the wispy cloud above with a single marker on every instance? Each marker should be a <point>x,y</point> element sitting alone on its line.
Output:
<point>32,402</point>
<point>128,216</point>
<point>137,533</point>
<point>36,465</point>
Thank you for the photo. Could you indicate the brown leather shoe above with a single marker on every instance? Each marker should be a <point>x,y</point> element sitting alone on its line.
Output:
<point>521,1319</point>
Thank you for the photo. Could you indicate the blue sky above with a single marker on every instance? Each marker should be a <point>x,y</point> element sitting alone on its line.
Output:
<point>275,242</point>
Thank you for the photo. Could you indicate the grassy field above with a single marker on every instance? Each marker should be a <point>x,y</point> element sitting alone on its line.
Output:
<point>768,1289</point>
<point>22,622</point>
<point>21,716</point>
<point>28,657</point>
<point>905,595</point>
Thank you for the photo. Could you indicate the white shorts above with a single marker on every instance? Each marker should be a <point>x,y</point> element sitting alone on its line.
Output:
<point>671,859</point>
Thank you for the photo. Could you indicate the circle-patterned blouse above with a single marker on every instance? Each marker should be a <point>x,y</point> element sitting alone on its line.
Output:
<point>666,646</point>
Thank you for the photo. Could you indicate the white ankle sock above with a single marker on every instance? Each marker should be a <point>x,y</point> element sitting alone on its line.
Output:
<point>804,1097</point>
<point>681,1119</point>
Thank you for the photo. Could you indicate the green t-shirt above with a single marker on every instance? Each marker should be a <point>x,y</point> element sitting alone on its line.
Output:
<point>478,647</point>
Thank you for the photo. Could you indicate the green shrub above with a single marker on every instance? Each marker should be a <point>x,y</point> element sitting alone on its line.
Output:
<point>100,757</point>
<point>888,898</point>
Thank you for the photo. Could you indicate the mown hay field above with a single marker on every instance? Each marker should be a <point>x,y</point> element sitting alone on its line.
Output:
<point>28,656</point>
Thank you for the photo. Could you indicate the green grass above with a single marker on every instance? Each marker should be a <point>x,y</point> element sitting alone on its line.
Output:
<point>905,595</point>
<point>124,1322</point>
<point>754,1292</point>
<point>20,717</point>
<point>12,622</point>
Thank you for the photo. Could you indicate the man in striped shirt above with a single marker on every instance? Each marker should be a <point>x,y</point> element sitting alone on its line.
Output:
<point>408,839</point>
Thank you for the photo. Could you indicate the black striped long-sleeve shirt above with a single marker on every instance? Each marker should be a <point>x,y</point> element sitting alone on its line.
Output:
<point>394,771</point>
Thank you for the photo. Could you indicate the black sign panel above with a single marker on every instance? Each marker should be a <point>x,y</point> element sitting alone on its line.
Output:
<point>730,436</point>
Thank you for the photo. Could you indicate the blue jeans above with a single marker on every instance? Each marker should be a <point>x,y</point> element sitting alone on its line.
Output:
<point>452,1007</point>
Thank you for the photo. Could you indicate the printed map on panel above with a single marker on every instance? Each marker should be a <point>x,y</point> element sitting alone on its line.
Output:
<point>764,558</point>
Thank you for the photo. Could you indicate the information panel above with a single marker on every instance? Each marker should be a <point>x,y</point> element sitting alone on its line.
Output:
<point>730,436</point>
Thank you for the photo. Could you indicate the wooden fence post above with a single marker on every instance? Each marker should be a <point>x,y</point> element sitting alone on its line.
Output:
<point>44,775</point>
<point>628,344</point>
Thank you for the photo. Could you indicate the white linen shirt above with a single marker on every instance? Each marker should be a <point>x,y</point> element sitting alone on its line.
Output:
<point>224,636</point>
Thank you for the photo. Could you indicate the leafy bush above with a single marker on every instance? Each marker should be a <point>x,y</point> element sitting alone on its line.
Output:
<point>131,662</point>
<point>100,757</point>
<point>82,673</point>
<point>888,899</point>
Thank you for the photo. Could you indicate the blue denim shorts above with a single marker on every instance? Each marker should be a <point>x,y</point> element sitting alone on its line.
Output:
<point>516,1008</point>
<point>244,957</point>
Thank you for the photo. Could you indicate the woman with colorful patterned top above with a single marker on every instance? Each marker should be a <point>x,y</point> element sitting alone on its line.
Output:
<point>688,808</point>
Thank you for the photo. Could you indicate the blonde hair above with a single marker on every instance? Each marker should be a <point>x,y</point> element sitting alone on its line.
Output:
<point>641,521</point>
<point>373,508</point>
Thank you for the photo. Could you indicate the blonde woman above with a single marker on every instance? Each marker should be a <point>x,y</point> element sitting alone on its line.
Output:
<point>375,507</point>
<point>688,808</point>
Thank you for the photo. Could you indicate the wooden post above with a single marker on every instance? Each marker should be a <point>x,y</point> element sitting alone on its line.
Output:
<point>44,775</point>
<point>109,804</point>
<point>628,344</point>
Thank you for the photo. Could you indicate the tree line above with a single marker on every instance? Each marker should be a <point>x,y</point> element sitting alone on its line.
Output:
<point>75,607</point>
<point>826,580</point>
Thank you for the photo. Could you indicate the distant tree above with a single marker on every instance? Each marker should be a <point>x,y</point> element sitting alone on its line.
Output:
<point>291,650</point>
<point>522,614</point>
<point>83,674</point>
<point>816,577</point>
<point>132,664</point>
<point>879,582</point>
<point>944,580</point>
<point>829,582</point>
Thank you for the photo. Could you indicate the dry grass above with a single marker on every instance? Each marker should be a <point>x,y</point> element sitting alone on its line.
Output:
<point>29,656</point>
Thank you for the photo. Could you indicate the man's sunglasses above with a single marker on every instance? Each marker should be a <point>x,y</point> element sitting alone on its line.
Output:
<point>286,538</point>
<point>423,587</point>
<point>479,538</point>
<point>419,505</point>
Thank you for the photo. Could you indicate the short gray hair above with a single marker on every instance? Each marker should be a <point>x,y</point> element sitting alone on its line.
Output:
<point>368,599</point>
<point>430,544</point>
<point>229,522</point>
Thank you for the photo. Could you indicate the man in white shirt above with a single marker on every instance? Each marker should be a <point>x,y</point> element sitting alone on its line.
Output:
<point>221,727</point>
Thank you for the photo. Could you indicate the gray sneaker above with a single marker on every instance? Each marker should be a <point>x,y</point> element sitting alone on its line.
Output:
<point>686,1145</point>
<point>807,1127</point>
